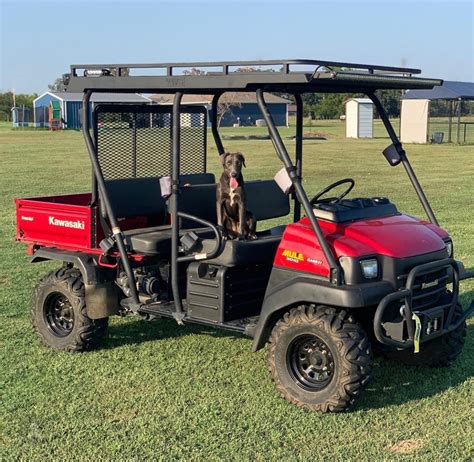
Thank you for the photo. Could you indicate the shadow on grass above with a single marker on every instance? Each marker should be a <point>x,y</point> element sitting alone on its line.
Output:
<point>141,331</point>
<point>393,383</point>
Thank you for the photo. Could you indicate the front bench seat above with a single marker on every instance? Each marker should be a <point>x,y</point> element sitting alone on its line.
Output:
<point>235,252</point>
<point>264,199</point>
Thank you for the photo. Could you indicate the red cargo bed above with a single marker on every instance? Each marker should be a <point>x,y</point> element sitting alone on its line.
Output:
<point>56,221</point>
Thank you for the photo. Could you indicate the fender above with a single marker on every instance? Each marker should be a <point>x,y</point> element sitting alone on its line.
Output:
<point>288,288</point>
<point>102,294</point>
<point>91,274</point>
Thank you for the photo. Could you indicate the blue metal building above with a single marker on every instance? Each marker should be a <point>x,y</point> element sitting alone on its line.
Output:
<point>237,107</point>
<point>71,106</point>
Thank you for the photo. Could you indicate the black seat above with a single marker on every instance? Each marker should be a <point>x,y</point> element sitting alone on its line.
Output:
<point>132,197</point>
<point>235,252</point>
<point>264,199</point>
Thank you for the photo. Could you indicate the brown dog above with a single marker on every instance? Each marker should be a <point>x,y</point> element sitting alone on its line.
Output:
<point>232,214</point>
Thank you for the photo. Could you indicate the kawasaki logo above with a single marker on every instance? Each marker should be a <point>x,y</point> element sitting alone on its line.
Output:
<point>78,224</point>
<point>427,285</point>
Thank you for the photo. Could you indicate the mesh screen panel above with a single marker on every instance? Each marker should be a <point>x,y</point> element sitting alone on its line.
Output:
<point>135,141</point>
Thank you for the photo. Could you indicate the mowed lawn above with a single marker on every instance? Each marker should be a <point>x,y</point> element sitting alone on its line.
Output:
<point>159,391</point>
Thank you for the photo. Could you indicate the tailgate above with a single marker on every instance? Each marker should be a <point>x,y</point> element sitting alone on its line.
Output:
<point>58,221</point>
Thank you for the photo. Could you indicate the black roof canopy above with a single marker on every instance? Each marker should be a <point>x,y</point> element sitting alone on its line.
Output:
<point>293,76</point>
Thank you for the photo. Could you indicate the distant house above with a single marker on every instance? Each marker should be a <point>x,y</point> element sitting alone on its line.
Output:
<point>71,106</point>
<point>242,107</point>
<point>291,110</point>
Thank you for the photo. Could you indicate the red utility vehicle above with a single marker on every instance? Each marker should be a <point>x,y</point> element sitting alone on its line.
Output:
<point>351,275</point>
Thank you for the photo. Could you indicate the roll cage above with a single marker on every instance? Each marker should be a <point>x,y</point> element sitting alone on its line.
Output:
<point>289,76</point>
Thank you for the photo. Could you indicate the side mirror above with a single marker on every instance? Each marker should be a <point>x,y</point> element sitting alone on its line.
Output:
<point>392,155</point>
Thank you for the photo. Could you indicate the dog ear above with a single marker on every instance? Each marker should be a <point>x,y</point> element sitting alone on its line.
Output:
<point>242,158</point>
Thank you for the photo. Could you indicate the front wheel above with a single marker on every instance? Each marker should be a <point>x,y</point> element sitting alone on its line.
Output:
<point>320,358</point>
<point>59,313</point>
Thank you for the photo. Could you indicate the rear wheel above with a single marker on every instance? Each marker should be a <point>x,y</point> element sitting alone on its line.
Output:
<point>59,314</point>
<point>439,352</point>
<point>320,358</point>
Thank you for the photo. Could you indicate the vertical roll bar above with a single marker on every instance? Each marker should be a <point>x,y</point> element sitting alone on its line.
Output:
<point>214,128</point>
<point>406,164</point>
<point>335,273</point>
<point>116,231</point>
<point>298,152</point>
<point>174,208</point>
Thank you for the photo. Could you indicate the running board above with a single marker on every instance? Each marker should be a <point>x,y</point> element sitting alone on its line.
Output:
<point>245,326</point>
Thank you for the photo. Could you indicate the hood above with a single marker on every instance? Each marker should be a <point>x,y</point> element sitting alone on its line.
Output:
<point>397,236</point>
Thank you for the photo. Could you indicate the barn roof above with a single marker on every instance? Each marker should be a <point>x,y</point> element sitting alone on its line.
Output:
<point>449,90</point>
<point>230,97</point>
<point>99,97</point>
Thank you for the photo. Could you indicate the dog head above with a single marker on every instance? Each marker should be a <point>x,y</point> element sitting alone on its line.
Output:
<point>233,163</point>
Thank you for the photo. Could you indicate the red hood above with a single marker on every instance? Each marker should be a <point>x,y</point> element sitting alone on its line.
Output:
<point>398,236</point>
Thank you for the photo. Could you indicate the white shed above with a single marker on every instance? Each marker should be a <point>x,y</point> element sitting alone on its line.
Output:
<point>359,118</point>
<point>414,120</point>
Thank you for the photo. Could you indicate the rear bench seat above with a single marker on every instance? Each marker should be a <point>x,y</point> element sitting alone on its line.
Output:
<point>264,199</point>
<point>141,197</point>
<point>132,197</point>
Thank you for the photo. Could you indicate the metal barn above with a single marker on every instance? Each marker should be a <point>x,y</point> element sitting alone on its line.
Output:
<point>359,118</point>
<point>432,115</point>
<point>71,105</point>
<point>241,107</point>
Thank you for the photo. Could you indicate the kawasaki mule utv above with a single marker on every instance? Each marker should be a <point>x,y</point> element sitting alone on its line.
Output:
<point>323,290</point>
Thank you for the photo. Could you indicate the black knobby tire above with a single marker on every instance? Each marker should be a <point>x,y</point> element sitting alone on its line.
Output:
<point>439,352</point>
<point>59,314</point>
<point>335,339</point>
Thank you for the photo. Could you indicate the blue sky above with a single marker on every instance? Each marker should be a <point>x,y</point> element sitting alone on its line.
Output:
<point>40,39</point>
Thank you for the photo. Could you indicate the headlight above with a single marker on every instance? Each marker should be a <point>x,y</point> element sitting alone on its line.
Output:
<point>370,268</point>
<point>449,248</point>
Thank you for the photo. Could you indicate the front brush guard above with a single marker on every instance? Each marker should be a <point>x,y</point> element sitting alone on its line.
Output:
<point>417,321</point>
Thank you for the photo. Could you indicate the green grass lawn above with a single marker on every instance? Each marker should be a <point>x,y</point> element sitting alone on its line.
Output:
<point>156,390</point>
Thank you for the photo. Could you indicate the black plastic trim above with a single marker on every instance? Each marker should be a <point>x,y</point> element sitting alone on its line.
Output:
<point>91,274</point>
<point>289,287</point>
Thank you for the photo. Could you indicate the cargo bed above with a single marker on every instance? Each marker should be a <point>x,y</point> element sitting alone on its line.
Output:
<point>63,221</point>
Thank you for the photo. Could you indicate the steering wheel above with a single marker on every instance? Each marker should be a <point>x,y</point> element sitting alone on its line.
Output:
<point>317,198</point>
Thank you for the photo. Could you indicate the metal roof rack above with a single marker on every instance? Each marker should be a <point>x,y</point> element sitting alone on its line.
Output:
<point>293,75</point>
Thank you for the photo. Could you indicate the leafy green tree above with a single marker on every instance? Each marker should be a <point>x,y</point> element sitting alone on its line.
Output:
<point>6,103</point>
<point>390,100</point>
<point>57,85</point>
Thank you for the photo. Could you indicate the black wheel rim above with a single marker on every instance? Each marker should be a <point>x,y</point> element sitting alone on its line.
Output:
<point>58,314</point>
<point>310,362</point>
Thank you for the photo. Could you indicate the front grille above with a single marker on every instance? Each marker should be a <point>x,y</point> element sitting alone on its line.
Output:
<point>428,288</point>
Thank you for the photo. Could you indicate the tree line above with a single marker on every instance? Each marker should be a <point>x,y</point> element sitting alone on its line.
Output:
<point>6,103</point>
<point>331,105</point>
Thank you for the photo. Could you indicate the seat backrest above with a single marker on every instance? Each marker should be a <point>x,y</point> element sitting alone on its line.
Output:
<point>131,197</point>
<point>200,201</point>
<point>264,199</point>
